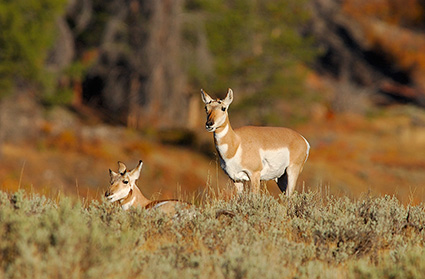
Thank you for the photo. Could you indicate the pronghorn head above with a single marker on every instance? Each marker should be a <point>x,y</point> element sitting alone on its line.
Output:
<point>122,182</point>
<point>216,110</point>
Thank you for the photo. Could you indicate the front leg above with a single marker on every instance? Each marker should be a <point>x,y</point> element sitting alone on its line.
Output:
<point>255,182</point>
<point>239,187</point>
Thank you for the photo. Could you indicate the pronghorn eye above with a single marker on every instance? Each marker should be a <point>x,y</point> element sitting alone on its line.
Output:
<point>223,108</point>
<point>125,181</point>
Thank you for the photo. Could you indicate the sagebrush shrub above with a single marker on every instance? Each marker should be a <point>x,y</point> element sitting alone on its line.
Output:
<point>259,237</point>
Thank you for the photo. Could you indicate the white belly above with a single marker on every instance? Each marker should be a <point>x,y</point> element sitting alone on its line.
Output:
<point>274,163</point>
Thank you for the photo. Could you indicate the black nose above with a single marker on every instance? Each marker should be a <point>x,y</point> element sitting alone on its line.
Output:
<point>107,194</point>
<point>208,124</point>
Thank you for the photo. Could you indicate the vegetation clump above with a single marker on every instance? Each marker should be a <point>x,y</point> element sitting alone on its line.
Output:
<point>28,32</point>
<point>305,236</point>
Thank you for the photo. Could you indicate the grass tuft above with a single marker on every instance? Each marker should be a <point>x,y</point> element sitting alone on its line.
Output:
<point>306,236</point>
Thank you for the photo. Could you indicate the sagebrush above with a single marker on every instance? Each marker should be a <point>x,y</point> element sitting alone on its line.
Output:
<point>306,236</point>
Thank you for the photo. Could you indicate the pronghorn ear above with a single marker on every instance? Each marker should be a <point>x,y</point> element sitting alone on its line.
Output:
<point>112,173</point>
<point>229,97</point>
<point>135,173</point>
<point>122,168</point>
<point>205,97</point>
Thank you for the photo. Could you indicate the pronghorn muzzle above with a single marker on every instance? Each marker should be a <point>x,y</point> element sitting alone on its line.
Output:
<point>107,194</point>
<point>209,125</point>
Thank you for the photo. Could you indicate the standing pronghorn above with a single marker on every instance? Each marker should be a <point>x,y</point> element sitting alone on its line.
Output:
<point>123,188</point>
<point>255,153</point>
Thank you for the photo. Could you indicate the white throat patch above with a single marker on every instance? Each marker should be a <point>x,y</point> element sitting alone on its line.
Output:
<point>129,204</point>
<point>222,148</point>
<point>222,133</point>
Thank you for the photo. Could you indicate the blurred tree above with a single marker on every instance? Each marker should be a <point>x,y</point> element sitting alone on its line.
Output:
<point>137,77</point>
<point>27,32</point>
<point>125,58</point>
<point>389,34</point>
<point>257,47</point>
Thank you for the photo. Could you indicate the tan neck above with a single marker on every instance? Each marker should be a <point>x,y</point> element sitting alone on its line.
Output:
<point>135,197</point>
<point>226,140</point>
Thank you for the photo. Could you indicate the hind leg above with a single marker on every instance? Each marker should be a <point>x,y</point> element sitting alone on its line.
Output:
<point>288,180</point>
<point>282,182</point>
<point>293,173</point>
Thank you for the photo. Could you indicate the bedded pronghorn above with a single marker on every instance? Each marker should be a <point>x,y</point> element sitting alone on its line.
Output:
<point>255,154</point>
<point>123,188</point>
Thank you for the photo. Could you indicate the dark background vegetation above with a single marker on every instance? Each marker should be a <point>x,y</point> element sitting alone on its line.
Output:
<point>85,83</point>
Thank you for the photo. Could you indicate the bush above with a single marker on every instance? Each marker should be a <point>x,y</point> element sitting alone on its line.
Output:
<point>305,236</point>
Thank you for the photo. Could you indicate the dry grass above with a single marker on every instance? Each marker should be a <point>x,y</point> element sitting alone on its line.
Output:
<point>76,162</point>
<point>307,236</point>
<point>383,154</point>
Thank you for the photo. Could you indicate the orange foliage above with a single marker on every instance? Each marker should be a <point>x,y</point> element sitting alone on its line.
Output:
<point>396,12</point>
<point>385,25</point>
<point>90,56</point>
<point>66,140</point>
<point>355,155</point>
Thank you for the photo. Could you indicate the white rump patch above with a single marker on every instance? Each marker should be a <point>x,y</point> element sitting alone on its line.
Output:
<point>275,162</point>
<point>160,204</point>
<point>308,149</point>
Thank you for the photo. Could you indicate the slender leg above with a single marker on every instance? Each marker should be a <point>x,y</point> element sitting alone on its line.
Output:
<point>255,182</point>
<point>239,187</point>
<point>293,173</point>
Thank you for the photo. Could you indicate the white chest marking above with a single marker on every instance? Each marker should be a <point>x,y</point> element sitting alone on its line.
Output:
<point>274,162</point>
<point>222,149</point>
<point>234,168</point>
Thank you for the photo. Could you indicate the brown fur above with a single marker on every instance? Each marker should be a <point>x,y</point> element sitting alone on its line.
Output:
<point>135,195</point>
<point>251,139</point>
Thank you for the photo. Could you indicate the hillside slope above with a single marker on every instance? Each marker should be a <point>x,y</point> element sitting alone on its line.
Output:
<point>350,155</point>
